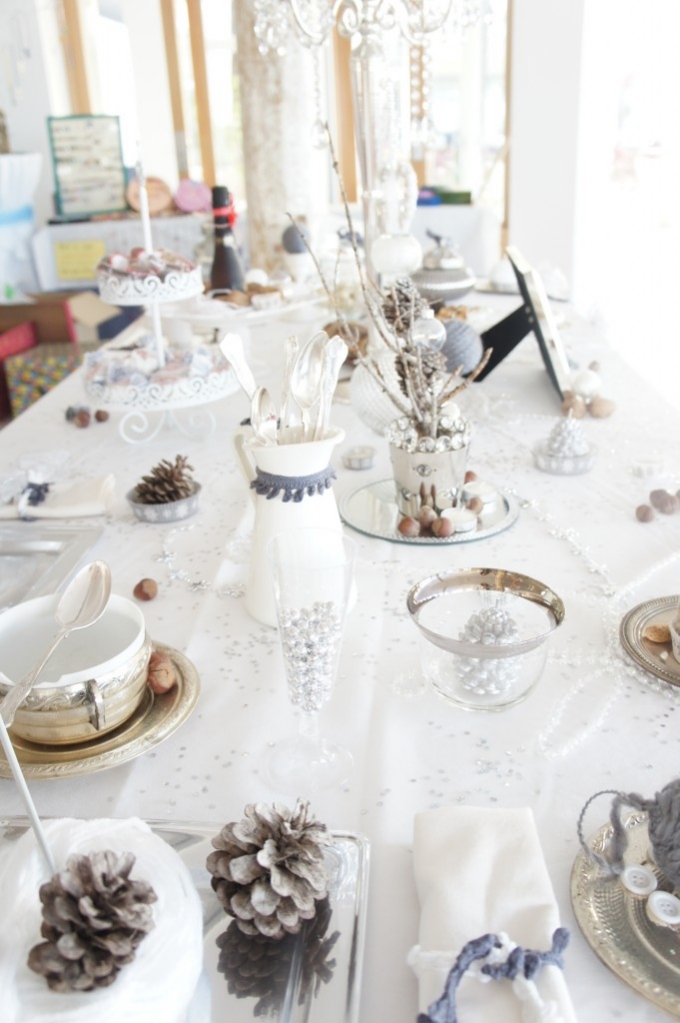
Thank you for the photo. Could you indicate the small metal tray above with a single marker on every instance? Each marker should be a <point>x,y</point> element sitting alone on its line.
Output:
<point>655,657</point>
<point>36,557</point>
<point>372,510</point>
<point>615,922</point>
<point>316,982</point>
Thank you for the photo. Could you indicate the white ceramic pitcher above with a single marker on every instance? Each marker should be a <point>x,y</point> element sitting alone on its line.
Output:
<point>274,515</point>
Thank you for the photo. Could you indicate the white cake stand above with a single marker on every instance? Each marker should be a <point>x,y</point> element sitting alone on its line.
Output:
<point>150,407</point>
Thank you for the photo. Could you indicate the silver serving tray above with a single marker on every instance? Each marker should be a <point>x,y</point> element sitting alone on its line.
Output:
<point>293,1000</point>
<point>615,923</point>
<point>37,557</point>
<point>372,510</point>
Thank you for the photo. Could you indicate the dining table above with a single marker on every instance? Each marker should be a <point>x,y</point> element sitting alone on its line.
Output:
<point>596,720</point>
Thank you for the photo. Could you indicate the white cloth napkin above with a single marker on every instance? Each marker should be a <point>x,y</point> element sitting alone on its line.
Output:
<point>480,871</point>
<point>66,500</point>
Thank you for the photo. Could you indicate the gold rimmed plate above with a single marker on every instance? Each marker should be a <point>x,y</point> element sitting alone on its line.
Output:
<point>655,657</point>
<point>157,717</point>
<point>615,924</point>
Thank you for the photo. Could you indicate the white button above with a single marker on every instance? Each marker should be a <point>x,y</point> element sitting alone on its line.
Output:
<point>639,880</point>
<point>664,908</point>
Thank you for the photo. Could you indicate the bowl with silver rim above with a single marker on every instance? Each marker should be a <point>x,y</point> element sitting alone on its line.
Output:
<point>169,511</point>
<point>93,682</point>
<point>483,634</point>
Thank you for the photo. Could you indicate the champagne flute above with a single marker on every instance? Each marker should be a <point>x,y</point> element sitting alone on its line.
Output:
<point>313,574</point>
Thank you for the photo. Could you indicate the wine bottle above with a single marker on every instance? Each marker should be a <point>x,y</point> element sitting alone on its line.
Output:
<point>226,272</point>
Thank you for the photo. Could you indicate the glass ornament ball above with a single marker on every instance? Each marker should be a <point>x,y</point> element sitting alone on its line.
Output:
<point>396,255</point>
<point>428,332</point>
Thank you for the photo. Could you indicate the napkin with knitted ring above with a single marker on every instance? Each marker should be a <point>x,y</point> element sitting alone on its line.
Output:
<point>478,871</point>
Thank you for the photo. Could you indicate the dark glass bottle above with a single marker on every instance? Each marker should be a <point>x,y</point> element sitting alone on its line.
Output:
<point>226,272</point>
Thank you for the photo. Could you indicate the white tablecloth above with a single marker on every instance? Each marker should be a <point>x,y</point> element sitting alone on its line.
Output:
<point>593,722</point>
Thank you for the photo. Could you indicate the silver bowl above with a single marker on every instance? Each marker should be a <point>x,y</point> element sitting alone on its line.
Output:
<point>171,511</point>
<point>437,285</point>
<point>95,680</point>
<point>483,634</point>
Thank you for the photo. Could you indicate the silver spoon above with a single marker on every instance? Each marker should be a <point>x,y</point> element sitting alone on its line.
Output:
<point>231,347</point>
<point>291,346</point>
<point>263,417</point>
<point>81,604</point>
<point>335,355</point>
<point>305,379</point>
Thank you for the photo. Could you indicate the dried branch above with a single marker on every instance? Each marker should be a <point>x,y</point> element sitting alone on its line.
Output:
<point>468,380</point>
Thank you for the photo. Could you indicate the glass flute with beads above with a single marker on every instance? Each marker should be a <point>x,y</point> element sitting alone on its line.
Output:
<point>312,572</point>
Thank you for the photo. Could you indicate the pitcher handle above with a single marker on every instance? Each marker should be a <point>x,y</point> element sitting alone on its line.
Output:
<point>247,462</point>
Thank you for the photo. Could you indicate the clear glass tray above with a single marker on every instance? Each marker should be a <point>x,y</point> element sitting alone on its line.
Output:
<point>36,557</point>
<point>318,974</point>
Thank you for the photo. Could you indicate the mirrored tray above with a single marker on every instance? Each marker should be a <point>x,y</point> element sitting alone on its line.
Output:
<point>615,923</point>
<point>314,982</point>
<point>37,557</point>
<point>372,510</point>
<point>157,717</point>
<point>655,657</point>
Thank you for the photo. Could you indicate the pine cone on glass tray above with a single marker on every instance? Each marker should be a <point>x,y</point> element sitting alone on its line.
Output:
<point>268,869</point>
<point>259,967</point>
<point>94,916</point>
<point>166,482</point>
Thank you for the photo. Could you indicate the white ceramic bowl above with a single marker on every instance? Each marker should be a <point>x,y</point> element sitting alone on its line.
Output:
<point>93,682</point>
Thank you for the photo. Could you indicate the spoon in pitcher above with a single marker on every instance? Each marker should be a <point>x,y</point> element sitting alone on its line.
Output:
<point>263,417</point>
<point>83,601</point>
<point>305,378</point>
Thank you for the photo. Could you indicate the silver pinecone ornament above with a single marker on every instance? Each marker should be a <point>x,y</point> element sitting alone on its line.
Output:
<point>268,869</point>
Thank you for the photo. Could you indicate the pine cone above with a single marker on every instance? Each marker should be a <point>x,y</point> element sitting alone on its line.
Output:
<point>166,482</point>
<point>259,967</point>
<point>268,870</point>
<point>94,916</point>
<point>402,304</point>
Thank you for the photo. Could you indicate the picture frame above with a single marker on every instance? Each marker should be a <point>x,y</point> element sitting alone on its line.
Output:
<point>533,316</point>
<point>87,162</point>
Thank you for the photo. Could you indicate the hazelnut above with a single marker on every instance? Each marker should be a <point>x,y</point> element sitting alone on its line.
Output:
<point>574,404</point>
<point>82,418</point>
<point>658,497</point>
<point>669,504</point>
<point>476,505</point>
<point>101,415</point>
<point>162,675</point>
<point>409,526</point>
<point>644,513</point>
<point>601,408</point>
<point>657,633</point>
<point>146,589</point>
<point>443,527</point>
<point>470,476</point>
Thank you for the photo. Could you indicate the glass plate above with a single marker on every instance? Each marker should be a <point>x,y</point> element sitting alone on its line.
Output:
<point>373,510</point>
<point>37,557</point>
<point>290,997</point>
<point>615,922</point>
<point>655,657</point>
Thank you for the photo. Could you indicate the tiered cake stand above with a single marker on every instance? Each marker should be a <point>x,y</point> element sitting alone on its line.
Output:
<point>150,406</point>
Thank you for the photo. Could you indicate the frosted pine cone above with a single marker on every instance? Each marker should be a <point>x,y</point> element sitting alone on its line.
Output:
<point>268,869</point>
<point>402,304</point>
<point>94,916</point>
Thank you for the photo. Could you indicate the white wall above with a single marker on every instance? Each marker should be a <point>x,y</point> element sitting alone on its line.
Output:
<point>545,98</point>
<point>24,94</point>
